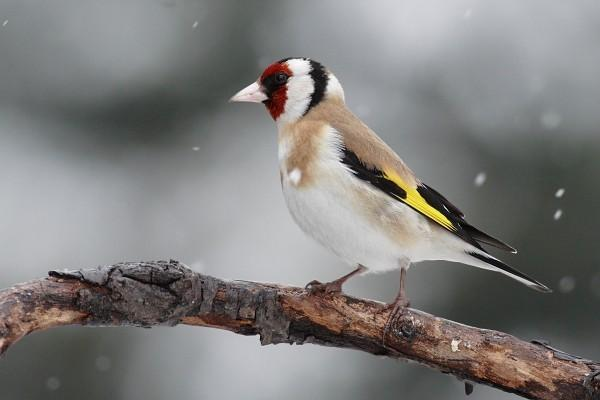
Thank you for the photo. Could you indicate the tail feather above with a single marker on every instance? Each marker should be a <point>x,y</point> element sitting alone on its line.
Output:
<point>483,237</point>
<point>510,271</point>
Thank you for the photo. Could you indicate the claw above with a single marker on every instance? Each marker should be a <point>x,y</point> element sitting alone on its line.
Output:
<point>333,287</point>
<point>397,307</point>
<point>316,287</point>
<point>312,283</point>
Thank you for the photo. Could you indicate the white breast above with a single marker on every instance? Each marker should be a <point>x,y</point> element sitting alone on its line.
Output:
<point>330,211</point>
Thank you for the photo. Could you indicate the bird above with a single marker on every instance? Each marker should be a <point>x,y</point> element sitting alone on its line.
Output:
<point>347,189</point>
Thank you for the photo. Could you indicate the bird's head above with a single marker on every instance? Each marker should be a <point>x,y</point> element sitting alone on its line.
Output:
<point>291,87</point>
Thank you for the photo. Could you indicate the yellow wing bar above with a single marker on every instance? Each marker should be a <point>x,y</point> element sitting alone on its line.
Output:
<point>417,202</point>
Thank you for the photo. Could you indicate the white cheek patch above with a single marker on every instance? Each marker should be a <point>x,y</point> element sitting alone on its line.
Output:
<point>300,87</point>
<point>295,176</point>
<point>299,90</point>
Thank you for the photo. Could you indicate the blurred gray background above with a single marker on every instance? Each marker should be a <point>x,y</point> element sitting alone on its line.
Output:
<point>117,144</point>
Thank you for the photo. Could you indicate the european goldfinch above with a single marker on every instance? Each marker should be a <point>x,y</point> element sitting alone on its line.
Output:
<point>351,192</point>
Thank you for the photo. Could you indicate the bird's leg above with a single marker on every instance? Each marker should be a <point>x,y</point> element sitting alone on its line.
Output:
<point>401,301</point>
<point>333,286</point>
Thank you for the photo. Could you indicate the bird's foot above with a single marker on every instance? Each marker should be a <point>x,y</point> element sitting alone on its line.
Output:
<point>333,287</point>
<point>316,287</point>
<point>397,307</point>
<point>400,303</point>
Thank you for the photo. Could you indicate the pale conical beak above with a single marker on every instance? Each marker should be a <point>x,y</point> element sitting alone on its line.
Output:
<point>252,93</point>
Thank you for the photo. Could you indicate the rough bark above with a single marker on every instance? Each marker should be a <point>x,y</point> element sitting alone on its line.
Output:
<point>169,293</point>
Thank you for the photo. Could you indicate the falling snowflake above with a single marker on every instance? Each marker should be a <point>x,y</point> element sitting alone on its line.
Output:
<point>195,148</point>
<point>480,179</point>
<point>566,284</point>
<point>195,25</point>
<point>52,383</point>
<point>5,22</point>
<point>559,193</point>
<point>557,214</point>
<point>550,120</point>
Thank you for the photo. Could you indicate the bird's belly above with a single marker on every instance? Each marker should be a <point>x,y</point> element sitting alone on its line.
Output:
<point>358,234</point>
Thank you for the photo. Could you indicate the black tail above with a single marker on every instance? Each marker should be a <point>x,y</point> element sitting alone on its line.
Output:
<point>510,271</point>
<point>483,237</point>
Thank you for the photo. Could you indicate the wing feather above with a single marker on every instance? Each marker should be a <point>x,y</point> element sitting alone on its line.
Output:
<point>373,161</point>
<point>421,198</point>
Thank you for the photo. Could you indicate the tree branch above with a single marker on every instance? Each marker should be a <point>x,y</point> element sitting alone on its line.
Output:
<point>169,293</point>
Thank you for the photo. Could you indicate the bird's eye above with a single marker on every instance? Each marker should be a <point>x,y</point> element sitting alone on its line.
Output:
<point>281,78</point>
